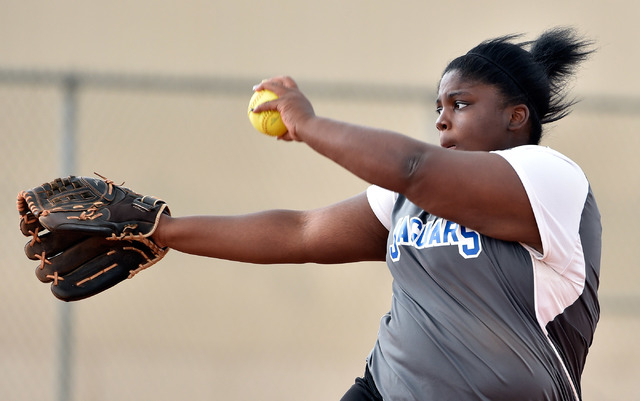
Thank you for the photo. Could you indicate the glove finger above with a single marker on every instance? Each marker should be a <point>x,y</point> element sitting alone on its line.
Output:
<point>93,277</point>
<point>60,263</point>
<point>30,225</point>
<point>52,243</point>
<point>103,272</point>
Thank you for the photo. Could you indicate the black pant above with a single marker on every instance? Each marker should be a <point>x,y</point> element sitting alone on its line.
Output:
<point>364,389</point>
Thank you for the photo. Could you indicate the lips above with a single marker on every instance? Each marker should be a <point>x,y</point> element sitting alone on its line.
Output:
<point>447,145</point>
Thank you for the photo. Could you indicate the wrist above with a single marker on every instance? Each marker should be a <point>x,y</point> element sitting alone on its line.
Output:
<point>159,234</point>
<point>307,128</point>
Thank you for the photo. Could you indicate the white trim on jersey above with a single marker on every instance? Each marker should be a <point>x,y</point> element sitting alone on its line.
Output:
<point>381,201</point>
<point>557,189</point>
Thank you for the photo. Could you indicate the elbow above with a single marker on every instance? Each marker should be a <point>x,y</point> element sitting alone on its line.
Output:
<point>423,180</point>
<point>413,164</point>
<point>411,173</point>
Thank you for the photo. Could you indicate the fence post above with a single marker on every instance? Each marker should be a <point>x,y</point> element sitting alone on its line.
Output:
<point>68,145</point>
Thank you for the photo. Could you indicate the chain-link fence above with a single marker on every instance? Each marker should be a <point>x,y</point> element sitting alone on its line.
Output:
<point>202,329</point>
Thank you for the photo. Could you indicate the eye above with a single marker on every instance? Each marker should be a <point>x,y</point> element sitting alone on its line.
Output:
<point>439,110</point>
<point>460,105</point>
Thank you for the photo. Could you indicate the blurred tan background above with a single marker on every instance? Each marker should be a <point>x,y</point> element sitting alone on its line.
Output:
<point>160,97</point>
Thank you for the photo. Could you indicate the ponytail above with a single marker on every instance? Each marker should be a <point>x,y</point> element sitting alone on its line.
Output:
<point>559,51</point>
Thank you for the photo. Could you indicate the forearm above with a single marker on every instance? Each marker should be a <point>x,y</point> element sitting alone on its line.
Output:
<point>265,237</point>
<point>347,231</point>
<point>377,156</point>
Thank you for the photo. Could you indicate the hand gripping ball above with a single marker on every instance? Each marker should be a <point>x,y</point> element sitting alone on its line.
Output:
<point>268,122</point>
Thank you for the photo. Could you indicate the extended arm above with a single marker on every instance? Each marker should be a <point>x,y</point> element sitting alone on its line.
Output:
<point>344,232</point>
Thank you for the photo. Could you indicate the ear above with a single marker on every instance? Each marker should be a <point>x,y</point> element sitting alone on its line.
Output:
<point>519,117</point>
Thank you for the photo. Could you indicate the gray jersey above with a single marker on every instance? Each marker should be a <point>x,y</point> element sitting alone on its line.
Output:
<point>475,318</point>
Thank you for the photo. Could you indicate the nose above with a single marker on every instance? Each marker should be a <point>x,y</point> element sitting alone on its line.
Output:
<point>442,124</point>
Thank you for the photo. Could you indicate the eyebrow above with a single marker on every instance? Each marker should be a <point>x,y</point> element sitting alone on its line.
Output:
<point>454,94</point>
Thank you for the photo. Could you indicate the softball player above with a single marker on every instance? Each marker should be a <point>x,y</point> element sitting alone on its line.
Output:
<point>493,241</point>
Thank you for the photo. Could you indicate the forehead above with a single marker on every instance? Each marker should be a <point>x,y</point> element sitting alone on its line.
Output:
<point>453,83</point>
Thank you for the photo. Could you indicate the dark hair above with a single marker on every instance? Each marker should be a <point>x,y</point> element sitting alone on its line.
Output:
<point>534,73</point>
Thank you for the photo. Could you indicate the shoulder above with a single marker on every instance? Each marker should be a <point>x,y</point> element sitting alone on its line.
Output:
<point>541,167</point>
<point>557,189</point>
<point>535,154</point>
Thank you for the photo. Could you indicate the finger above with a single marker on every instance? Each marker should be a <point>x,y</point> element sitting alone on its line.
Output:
<point>104,271</point>
<point>288,82</point>
<point>52,243</point>
<point>287,137</point>
<point>53,264</point>
<point>277,85</point>
<point>95,276</point>
<point>270,105</point>
<point>30,225</point>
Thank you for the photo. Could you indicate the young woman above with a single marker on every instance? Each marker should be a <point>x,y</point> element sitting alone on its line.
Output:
<point>493,242</point>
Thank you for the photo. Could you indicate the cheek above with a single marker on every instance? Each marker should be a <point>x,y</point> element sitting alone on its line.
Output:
<point>480,133</point>
<point>471,128</point>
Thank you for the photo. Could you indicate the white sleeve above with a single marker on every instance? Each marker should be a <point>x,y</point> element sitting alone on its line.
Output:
<point>381,201</point>
<point>557,189</point>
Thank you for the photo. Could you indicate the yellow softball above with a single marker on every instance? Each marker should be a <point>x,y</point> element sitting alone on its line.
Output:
<point>267,122</point>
